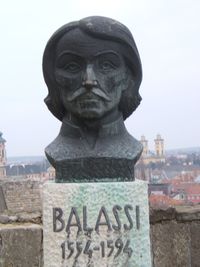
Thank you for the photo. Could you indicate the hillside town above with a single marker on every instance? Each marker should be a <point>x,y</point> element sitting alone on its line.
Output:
<point>23,168</point>
<point>173,177</point>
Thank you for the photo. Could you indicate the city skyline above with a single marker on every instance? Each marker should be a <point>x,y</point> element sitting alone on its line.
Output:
<point>168,40</point>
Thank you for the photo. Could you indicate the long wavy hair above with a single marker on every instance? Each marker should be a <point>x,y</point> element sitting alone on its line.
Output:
<point>100,28</point>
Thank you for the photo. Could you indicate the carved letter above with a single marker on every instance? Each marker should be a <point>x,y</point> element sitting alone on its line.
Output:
<point>118,226</point>
<point>106,222</point>
<point>137,210</point>
<point>77,223</point>
<point>126,210</point>
<point>85,226</point>
<point>57,217</point>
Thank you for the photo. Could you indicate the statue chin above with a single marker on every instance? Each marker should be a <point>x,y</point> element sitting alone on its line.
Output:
<point>89,113</point>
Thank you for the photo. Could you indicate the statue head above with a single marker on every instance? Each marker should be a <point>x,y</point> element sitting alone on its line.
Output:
<point>92,67</point>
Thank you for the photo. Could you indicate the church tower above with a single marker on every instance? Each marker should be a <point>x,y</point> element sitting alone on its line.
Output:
<point>145,146</point>
<point>2,156</point>
<point>159,146</point>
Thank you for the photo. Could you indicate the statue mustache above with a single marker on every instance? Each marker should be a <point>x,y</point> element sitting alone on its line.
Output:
<point>95,90</point>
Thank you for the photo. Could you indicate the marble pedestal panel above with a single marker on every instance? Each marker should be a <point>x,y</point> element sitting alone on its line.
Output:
<point>96,225</point>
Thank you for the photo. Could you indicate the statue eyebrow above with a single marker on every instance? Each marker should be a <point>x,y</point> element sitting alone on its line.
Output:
<point>70,53</point>
<point>107,52</point>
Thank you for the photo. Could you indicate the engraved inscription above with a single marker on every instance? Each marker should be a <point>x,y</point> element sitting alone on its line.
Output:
<point>119,220</point>
<point>105,248</point>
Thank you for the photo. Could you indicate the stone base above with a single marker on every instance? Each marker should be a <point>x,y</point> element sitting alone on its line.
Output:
<point>20,245</point>
<point>96,225</point>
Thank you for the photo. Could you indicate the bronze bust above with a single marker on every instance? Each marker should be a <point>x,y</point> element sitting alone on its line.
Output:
<point>93,72</point>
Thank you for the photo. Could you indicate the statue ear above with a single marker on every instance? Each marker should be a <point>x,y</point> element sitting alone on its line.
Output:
<point>59,78</point>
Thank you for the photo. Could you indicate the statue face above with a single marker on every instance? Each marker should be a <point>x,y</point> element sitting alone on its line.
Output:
<point>91,74</point>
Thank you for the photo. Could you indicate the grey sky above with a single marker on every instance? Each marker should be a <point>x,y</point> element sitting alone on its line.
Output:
<point>167,34</point>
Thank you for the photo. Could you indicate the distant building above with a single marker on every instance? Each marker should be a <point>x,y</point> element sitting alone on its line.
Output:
<point>160,189</point>
<point>158,201</point>
<point>159,146</point>
<point>51,173</point>
<point>2,156</point>
<point>185,187</point>
<point>23,169</point>
<point>158,156</point>
<point>192,192</point>
<point>144,142</point>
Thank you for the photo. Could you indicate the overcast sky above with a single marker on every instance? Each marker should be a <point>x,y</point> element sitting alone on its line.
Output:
<point>167,34</point>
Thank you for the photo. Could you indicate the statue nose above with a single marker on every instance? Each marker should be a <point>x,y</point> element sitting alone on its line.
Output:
<point>89,78</point>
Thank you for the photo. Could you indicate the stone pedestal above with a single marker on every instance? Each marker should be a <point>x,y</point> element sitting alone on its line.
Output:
<point>96,225</point>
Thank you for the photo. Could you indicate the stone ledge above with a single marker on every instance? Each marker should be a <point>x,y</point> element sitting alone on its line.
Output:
<point>179,214</point>
<point>16,226</point>
<point>35,218</point>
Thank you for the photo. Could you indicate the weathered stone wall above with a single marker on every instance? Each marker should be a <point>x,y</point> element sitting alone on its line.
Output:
<point>21,245</point>
<point>21,195</point>
<point>175,237</point>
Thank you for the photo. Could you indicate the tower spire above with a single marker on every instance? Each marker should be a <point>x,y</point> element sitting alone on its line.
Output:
<point>159,146</point>
<point>2,156</point>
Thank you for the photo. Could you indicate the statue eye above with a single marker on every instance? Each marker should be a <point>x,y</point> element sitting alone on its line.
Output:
<point>72,67</point>
<point>107,65</point>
